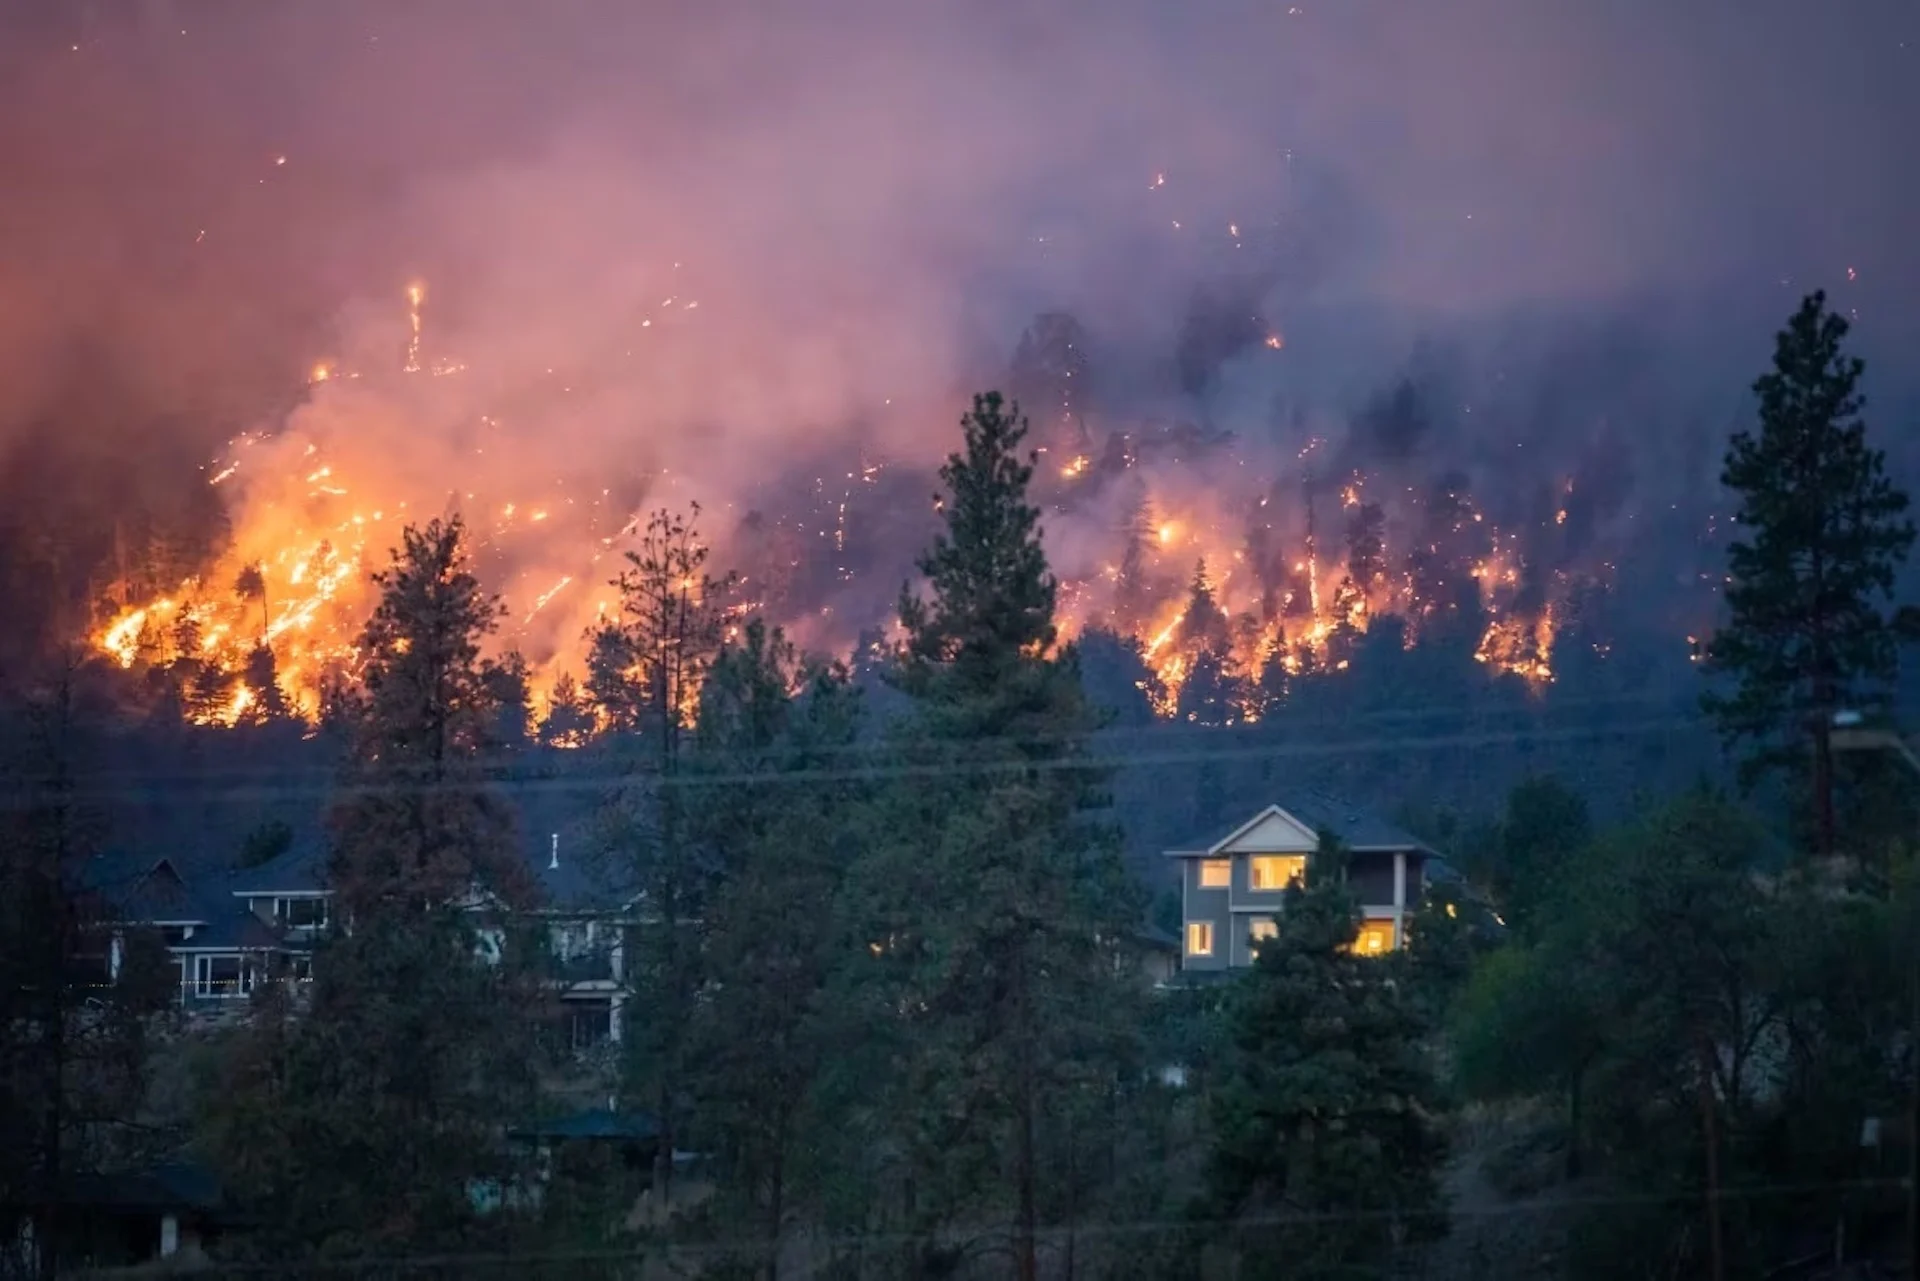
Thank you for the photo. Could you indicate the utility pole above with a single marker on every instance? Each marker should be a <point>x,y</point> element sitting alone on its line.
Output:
<point>1849,732</point>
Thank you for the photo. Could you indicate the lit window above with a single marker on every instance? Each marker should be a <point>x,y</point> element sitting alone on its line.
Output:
<point>1375,937</point>
<point>1215,873</point>
<point>1277,871</point>
<point>1261,931</point>
<point>1199,938</point>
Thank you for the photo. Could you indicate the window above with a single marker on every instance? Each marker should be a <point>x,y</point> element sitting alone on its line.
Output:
<point>301,913</point>
<point>1374,939</point>
<point>1215,873</point>
<point>1199,938</point>
<point>1261,931</point>
<point>1277,871</point>
<point>220,976</point>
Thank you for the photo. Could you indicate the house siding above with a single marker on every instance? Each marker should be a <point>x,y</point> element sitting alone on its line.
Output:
<point>1213,906</point>
<point>1388,882</point>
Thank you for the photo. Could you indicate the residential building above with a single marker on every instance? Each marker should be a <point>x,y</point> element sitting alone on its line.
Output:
<point>1233,883</point>
<point>229,931</point>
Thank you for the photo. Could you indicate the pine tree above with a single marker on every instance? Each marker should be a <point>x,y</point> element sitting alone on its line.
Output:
<point>262,678</point>
<point>1823,533</point>
<point>1326,1114</point>
<point>251,584</point>
<point>1133,589</point>
<point>569,717</point>
<point>999,910</point>
<point>1050,372</point>
<point>770,938</point>
<point>1366,565</point>
<point>672,625</point>
<point>1204,625</point>
<point>72,1021</point>
<point>393,1086</point>
<point>418,828</point>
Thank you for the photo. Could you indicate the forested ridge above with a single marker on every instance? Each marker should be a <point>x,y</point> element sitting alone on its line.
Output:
<point>893,924</point>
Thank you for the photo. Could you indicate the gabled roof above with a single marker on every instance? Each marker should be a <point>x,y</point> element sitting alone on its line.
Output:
<point>301,868</point>
<point>141,888</point>
<point>1315,811</point>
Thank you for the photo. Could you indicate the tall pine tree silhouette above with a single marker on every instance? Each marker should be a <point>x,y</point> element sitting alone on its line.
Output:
<point>1823,533</point>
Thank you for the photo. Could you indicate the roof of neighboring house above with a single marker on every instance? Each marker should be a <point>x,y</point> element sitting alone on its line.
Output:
<point>299,869</point>
<point>170,1187</point>
<point>138,886</point>
<point>1156,938</point>
<point>596,1123</point>
<point>1359,828</point>
<point>200,886</point>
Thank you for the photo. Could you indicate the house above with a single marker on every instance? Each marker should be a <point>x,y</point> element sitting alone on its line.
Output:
<point>165,1214</point>
<point>224,943</point>
<point>229,931</point>
<point>1232,883</point>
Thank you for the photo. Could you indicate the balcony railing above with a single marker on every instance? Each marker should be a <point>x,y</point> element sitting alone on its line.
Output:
<point>587,967</point>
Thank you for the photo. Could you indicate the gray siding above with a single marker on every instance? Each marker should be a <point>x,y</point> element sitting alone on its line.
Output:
<point>1210,905</point>
<point>1243,935</point>
<point>1371,877</point>
<point>1232,911</point>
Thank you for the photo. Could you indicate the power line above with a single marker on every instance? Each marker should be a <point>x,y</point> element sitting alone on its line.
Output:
<point>1217,1229</point>
<point>325,784</point>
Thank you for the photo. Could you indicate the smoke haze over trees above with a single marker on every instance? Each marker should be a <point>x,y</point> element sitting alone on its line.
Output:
<point>227,195</point>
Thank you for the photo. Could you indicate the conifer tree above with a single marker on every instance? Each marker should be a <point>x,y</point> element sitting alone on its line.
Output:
<point>1204,626</point>
<point>1325,1119</point>
<point>762,1037</point>
<point>653,660</point>
<point>1823,533</point>
<point>998,911</point>
<point>394,1085</point>
<point>1133,586</point>
<point>74,998</point>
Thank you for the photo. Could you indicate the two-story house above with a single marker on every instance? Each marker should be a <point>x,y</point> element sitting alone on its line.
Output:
<point>1233,883</point>
<point>230,931</point>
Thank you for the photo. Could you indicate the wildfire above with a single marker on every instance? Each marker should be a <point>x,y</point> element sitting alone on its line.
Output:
<point>1226,612</point>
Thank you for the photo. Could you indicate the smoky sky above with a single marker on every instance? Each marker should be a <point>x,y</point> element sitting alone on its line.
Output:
<point>865,201</point>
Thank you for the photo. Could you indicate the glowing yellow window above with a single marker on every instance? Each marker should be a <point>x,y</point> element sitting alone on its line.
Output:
<point>1215,873</point>
<point>1261,931</point>
<point>1199,938</point>
<point>1277,871</point>
<point>1374,939</point>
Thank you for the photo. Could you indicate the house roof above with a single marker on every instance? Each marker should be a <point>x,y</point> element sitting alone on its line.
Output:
<point>596,1123</point>
<point>1357,827</point>
<point>299,869</point>
<point>173,1186</point>
<point>137,886</point>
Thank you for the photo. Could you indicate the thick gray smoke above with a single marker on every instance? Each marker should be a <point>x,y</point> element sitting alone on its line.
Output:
<point>678,251</point>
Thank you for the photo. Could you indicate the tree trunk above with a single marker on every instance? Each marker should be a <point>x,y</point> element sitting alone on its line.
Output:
<point>1913,1126</point>
<point>1575,1087</point>
<point>1826,835</point>
<point>1710,1127</point>
<point>1026,1258</point>
<point>776,1196</point>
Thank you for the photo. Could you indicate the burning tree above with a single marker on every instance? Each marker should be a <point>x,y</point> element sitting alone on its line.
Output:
<point>1050,376</point>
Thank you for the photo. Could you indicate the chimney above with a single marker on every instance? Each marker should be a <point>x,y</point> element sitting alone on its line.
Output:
<point>553,859</point>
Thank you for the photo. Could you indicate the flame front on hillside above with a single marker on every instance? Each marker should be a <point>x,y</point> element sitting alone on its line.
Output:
<point>1218,585</point>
